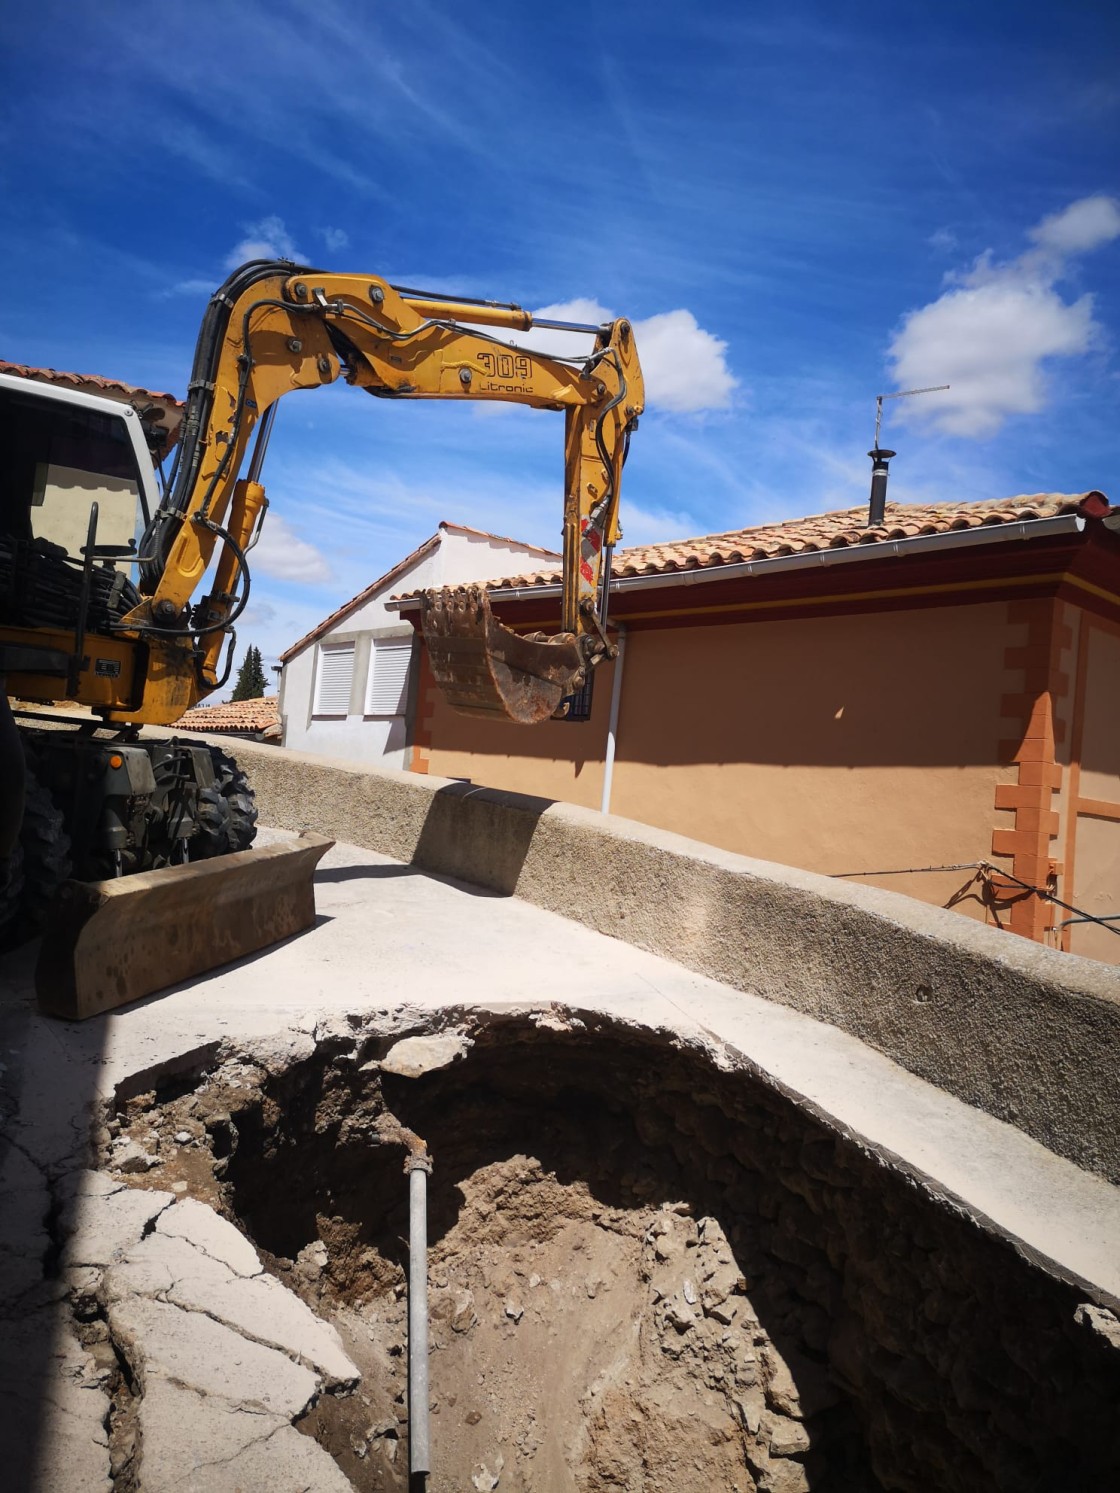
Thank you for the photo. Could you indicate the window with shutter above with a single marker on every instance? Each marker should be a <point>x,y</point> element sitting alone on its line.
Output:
<point>387,691</point>
<point>333,676</point>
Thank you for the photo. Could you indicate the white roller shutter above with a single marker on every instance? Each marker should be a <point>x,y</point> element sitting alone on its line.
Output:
<point>333,676</point>
<point>388,676</point>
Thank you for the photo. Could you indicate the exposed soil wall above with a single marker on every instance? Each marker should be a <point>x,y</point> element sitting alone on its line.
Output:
<point>650,1270</point>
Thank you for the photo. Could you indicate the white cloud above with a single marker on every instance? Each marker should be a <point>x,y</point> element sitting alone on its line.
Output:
<point>655,525</point>
<point>684,367</point>
<point>944,240</point>
<point>267,239</point>
<point>282,554</point>
<point>336,239</point>
<point>1082,226</point>
<point>991,333</point>
<point>988,342</point>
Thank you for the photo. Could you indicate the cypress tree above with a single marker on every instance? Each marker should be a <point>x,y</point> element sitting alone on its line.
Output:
<point>250,677</point>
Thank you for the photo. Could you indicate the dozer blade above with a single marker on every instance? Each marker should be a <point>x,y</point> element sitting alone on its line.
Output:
<point>110,942</point>
<point>485,669</point>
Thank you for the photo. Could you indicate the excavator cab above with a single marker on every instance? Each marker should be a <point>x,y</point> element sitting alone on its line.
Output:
<point>71,462</point>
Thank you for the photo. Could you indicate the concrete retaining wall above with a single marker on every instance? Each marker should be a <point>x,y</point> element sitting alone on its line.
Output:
<point>1027,1034</point>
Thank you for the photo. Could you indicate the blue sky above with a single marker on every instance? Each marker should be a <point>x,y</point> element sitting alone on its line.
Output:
<point>805,207</point>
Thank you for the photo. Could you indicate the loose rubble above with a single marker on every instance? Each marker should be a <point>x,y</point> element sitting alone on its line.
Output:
<point>645,1273</point>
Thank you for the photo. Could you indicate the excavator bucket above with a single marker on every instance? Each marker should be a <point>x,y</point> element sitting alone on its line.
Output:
<point>110,942</point>
<point>484,669</point>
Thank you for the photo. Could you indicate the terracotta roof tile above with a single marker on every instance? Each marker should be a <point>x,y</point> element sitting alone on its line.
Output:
<point>93,383</point>
<point>232,715</point>
<point>820,531</point>
<point>497,538</point>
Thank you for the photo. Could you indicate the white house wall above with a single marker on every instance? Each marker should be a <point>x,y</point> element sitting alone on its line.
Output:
<point>384,740</point>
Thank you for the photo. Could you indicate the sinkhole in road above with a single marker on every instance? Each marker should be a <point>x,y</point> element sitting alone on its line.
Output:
<point>630,1287</point>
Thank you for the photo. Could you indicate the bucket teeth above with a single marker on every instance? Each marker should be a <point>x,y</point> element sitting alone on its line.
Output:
<point>486,670</point>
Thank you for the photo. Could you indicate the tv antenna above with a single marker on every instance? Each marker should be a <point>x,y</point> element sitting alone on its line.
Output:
<point>902,394</point>
<point>881,458</point>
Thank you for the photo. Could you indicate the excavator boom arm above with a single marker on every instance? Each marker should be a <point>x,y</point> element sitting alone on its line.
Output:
<point>274,328</point>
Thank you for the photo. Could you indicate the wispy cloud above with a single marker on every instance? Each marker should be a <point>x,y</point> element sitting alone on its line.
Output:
<point>210,157</point>
<point>194,287</point>
<point>266,239</point>
<point>994,330</point>
<point>655,525</point>
<point>943,240</point>
<point>282,554</point>
<point>336,239</point>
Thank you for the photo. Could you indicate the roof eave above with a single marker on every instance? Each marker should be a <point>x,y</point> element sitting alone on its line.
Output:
<point>369,594</point>
<point>918,544</point>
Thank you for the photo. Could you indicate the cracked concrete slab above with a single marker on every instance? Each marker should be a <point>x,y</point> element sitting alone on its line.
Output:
<point>225,1357</point>
<point>26,1197</point>
<point>24,1239</point>
<point>99,1226</point>
<point>162,1341</point>
<point>173,1270</point>
<point>54,1407</point>
<point>373,950</point>
<point>208,1232</point>
<point>227,1452</point>
<point>21,1271</point>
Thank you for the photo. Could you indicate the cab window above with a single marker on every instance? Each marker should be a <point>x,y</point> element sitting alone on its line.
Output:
<point>57,460</point>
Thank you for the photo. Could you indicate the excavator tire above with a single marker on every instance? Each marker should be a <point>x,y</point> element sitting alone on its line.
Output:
<point>40,865</point>
<point>227,815</point>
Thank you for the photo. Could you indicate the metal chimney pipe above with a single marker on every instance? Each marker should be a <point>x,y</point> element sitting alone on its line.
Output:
<point>879,473</point>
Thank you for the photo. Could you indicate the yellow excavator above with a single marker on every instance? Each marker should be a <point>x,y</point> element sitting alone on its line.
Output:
<point>101,570</point>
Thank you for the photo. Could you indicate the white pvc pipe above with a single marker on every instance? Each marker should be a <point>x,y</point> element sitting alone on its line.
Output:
<point>419,1449</point>
<point>612,725</point>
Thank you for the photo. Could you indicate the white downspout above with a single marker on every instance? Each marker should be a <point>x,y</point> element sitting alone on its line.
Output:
<point>612,725</point>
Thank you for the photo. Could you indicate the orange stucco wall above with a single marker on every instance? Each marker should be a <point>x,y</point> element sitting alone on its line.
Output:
<point>1092,800</point>
<point>556,760</point>
<point>839,744</point>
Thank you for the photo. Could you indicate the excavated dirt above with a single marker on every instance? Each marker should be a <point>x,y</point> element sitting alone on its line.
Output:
<point>650,1270</point>
<point>599,1319</point>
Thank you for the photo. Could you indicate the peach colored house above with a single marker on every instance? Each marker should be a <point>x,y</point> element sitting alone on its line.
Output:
<point>938,699</point>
